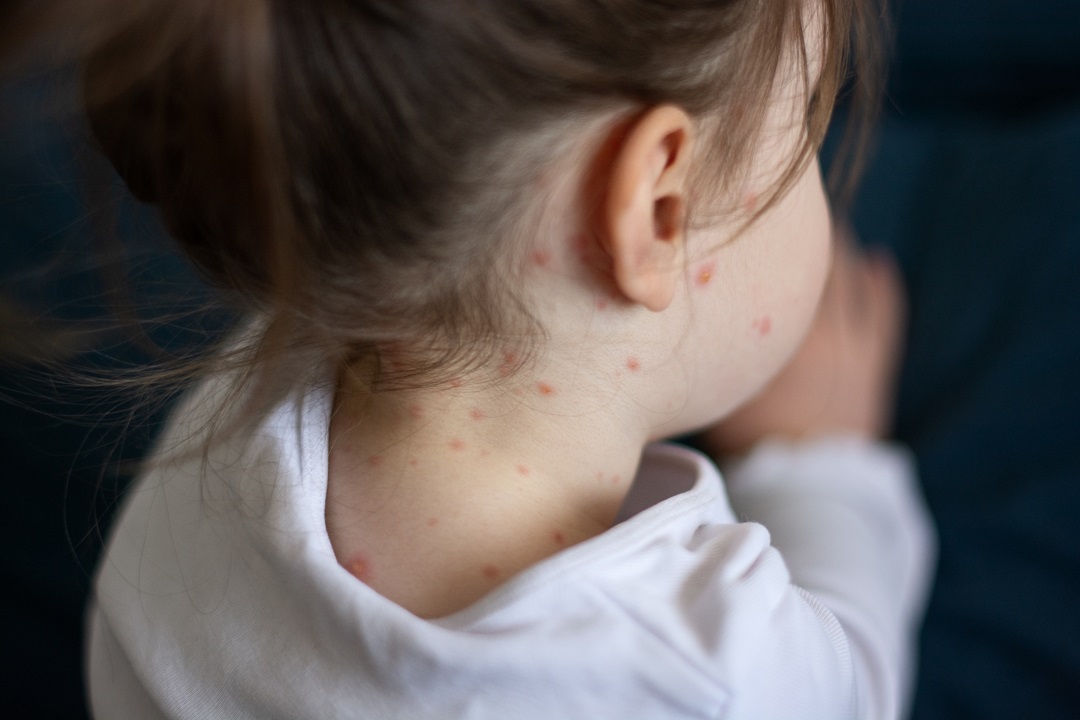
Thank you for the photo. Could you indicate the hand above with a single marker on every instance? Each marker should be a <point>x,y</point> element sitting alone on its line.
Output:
<point>842,378</point>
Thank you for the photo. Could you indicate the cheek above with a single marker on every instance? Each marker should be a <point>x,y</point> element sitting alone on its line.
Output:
<point>801,254</point>
<point>752,301</point>
<point>785,265</point>
<point>817,259</point>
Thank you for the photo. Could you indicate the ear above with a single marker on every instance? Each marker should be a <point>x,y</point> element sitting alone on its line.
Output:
<point>643,216</point>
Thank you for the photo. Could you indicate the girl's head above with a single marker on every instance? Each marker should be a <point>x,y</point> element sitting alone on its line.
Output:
<point>385,178</point>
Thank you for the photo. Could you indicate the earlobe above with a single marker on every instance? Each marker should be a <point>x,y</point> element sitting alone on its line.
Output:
<point>643,221</point>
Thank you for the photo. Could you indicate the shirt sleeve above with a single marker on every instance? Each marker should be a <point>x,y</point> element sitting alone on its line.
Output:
<point>846,517</point>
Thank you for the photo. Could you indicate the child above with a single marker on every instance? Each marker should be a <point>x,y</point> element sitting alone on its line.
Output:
<point>491,252</point>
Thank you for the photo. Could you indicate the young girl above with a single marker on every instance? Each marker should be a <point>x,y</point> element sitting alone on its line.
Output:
<point>491,252</point>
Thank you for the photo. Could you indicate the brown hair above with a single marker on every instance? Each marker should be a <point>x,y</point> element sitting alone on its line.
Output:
<point>352,169</point>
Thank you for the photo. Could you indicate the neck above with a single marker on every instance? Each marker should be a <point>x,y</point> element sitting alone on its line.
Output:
<point>554,440</point>
<point>436,496</point>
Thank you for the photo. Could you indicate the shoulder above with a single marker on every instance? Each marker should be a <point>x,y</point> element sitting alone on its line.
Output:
<point>201,500</point>
<point>689,601</point>
<point>724,603</point>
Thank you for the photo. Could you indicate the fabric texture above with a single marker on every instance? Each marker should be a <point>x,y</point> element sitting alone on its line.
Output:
<point>220,596</point>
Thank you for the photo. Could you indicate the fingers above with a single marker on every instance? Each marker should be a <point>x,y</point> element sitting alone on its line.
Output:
<point>888,289</point>
<point>889,308</point>
<point>833,299</point>
<point>862,320</point>
<point>864,288</point>
<point>847,292</point>
<point>879,335</point>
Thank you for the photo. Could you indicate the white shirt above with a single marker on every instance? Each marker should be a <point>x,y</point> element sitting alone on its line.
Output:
<point>219,595</point>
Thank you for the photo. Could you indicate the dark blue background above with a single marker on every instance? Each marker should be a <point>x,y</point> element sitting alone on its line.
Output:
<point>66,447</point>
<point>975,184</point>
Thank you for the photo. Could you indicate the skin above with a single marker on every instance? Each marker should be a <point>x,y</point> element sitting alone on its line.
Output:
<point>842,379</point>
<point>439,495</point>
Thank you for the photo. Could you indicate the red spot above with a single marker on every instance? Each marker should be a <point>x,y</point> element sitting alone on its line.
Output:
<point>375,460</point>
<point>541,258</point>
<point>705,274</point>
<point>750,201</point>
<point>615,479</point>
<point>416,412</point>
<point>523,470</point>
<point>455,382</point>
<point>545,389</point>
<point>477,414</point>
<point>633,364</point>
<point>392,355</point>
<point>601,304</point>
<point>360,569</point>
<point>510,361</point>
<point>413,462</point>
<point>558,537</point>
<point>763,325</point>
<point>457,444</point>
<point>432,521</point>
<point>491,572</point>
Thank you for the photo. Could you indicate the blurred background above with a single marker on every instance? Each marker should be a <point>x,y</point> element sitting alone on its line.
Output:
<point>973,181</point>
